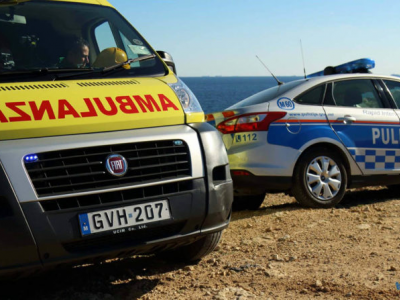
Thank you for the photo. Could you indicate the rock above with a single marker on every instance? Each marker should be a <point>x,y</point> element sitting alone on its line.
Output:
<point>318,283</point>
<point>325,289</point>
<point>188,268</point>
<point>387,227</point>
<point>284,238</point>
<point>269,229</point>
<point>379,277</point>
<point>392,268</point>
<point>293,258</point>
<point>349,294</point>
<point>276,257</point>
<point>211,261</point>
<point>364,226</point>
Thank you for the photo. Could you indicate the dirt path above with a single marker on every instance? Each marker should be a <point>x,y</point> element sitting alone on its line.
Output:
<point>282,251</point>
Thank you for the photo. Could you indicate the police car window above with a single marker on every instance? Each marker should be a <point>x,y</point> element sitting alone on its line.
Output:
<point>394,88</point>
<point>313,96</point>
<point>356,93</point>
<point>267,95</point>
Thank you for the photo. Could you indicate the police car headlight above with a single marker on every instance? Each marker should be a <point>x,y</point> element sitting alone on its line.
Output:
<point>188,100</point>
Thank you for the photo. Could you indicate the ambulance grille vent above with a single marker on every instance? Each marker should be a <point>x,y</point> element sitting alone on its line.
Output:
<point>83,169</point>
<point>32,87</point>
<point>107,83</point>
<point>118,197</point>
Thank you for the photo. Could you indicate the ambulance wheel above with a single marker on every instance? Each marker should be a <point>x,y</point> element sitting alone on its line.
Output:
<point>251,202</point>
<point>194,251</point>
<point>320,178</point>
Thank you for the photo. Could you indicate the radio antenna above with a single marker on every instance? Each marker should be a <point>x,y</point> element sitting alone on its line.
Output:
<point>302,56</point>
<point>277,80</point>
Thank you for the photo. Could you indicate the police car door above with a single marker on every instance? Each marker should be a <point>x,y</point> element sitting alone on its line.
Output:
<point>365,123</point>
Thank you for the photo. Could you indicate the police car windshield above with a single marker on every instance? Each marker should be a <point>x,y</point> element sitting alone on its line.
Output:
<point>68,36</point>
<point>267,95</point>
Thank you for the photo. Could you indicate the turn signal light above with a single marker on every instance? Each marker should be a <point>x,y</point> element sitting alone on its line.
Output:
<point>250,122</point>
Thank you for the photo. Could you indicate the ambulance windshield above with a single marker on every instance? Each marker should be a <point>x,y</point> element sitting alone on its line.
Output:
<point>43,38</point>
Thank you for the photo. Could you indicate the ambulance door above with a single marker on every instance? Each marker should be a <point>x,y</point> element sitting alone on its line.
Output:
<point>365,123</point>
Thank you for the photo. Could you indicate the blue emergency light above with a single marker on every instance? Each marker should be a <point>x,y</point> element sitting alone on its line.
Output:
<point>31,158</point>
<point>356,66</point>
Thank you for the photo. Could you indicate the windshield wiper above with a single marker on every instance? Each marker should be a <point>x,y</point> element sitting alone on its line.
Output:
<point>129,61</point>
<point>44,71</point>
<point>78,72</point>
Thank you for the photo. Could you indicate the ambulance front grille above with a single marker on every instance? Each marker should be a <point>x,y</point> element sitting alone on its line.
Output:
<point>118,197</point>
<point>84,169</point>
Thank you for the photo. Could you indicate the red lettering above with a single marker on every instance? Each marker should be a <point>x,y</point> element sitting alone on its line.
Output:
<point>38,113</point>
<point>23,116</point>
<point>113,108</point>
<point>3,118</point>
<point>126,105</point>
<point>91,112</point>
<point>149,103</point>
<point>65,108</point>
<point>165,102</point>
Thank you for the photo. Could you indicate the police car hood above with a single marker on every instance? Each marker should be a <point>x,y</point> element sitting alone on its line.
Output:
<point>40,109</point>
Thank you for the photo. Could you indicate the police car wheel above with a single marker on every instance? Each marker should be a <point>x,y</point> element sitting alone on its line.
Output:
<point>194,251</point>
<point>251,202</point>
<point>320,178</point>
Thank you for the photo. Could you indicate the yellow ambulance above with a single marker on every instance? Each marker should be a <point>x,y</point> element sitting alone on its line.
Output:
<point>104,151</point>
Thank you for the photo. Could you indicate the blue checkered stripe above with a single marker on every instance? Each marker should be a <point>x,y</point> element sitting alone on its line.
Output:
<point>372,159</point>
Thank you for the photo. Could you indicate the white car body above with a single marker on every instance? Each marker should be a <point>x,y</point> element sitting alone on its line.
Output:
<point>357,116</point>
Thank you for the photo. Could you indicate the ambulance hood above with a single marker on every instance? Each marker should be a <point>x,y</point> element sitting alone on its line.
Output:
<point>40,109</point>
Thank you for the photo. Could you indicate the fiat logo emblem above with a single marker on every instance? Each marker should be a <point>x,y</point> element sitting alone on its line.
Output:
<point>116,165</point>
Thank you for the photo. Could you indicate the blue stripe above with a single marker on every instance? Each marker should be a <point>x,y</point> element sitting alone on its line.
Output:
<point>389,165</point>
<point>370,152</point>
<point>352,151</point>
<point>380,159</point>
<point>360,158</point>
<point>370,165</point>
<point>397,159</point>
<point>389,152</point>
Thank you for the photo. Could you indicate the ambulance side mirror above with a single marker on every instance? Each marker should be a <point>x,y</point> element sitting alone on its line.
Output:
<point>169,61</point>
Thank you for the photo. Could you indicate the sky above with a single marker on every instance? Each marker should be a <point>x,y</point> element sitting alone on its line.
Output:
<point>223,37</point>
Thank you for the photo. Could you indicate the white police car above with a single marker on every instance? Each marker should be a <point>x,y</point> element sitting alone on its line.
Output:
<point>314,138</point>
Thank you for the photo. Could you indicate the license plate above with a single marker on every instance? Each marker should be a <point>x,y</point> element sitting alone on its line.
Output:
<point>124,219</point>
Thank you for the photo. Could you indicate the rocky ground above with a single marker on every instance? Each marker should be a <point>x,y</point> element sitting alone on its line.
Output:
<point>281,251</point>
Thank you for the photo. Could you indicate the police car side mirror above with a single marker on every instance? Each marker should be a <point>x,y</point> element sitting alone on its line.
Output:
<point>169,61</point>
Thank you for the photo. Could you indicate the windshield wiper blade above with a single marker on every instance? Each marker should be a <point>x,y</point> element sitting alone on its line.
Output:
<point>129,61</point>
<point>78,72</point>
<point>43,71</point>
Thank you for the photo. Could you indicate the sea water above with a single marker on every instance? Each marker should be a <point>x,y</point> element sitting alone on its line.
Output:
<point>217,93</point>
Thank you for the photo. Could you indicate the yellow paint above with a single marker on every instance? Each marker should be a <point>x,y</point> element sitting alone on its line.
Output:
<point>94,2</point>
<point>74,93</point>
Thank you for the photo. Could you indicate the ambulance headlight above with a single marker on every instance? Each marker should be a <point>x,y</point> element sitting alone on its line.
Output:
<point>188,100</point>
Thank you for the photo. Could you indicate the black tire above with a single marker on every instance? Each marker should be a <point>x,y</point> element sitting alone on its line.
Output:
<point>194,251</point>
<point>251,202</point>
<point>309,193</point>
<point>394,188</point>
